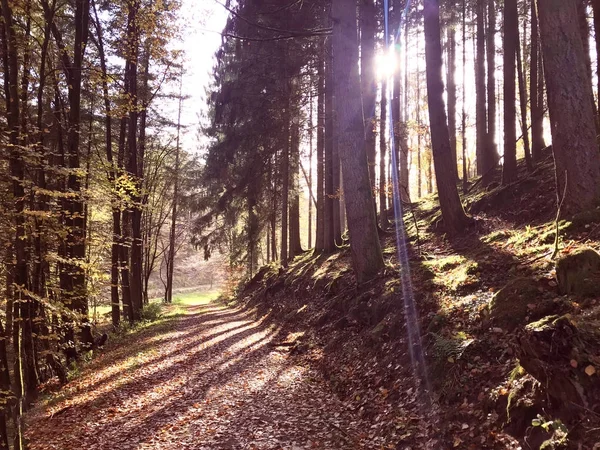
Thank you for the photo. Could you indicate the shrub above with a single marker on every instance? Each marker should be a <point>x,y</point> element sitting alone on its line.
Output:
<point>152,312</point>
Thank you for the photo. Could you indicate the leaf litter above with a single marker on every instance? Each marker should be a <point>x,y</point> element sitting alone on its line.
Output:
<point>216,380</point>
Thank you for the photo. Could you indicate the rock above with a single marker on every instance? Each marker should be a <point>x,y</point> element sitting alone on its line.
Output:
<point>509,307</point>
<point>578,272</point>
<point>556,351</point>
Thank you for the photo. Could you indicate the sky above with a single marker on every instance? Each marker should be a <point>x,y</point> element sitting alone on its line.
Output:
<point>202,21</point>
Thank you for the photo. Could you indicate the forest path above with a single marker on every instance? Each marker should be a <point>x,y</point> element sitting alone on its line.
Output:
<point>209,377</point>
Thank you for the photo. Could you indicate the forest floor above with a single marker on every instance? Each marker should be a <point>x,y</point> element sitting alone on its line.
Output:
<point>304,358</point>
<point>206,376</point>
<point>511,361</point>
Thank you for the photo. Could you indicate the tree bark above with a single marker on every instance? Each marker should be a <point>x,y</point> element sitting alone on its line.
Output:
<point>596,9</point>
<point>112,176</point>
<point>452,85</point>
<point>383,216</point>
<point>465,173</point>
<point>511,38</point>
<point>491,157</point>
<point>294,213</point>
<point>17,172</point>
<point>570,97</point>
<point>329,242</point>
<point>367,258</point>
<point>320,225</point>
<point>173,231</point>
<point>453,213</point>
<point>584,28</point>
<point>480,92</point>
<point>133,166</point>
<point>523,105</point>
<point>368,25</point>
<point>537,104</point>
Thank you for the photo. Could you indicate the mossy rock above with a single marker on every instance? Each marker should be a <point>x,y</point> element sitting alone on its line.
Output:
<point>586,217</point>
<point>578,273</point>
<point>561,352</point>
<point>509,307</point>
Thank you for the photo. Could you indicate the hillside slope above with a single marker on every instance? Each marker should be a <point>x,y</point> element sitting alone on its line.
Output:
<point>512,362</point>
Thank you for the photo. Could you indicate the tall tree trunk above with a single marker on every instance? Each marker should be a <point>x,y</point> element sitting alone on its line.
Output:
<point>523,105</point>
<point>330,131</point>
<point>112,176</point>
<point>320,226</point>
<point>400,136</point>
<point>5,387</point>
<point>453,213</point>
<point>480,92</point>
<point>367,258</point>
<point>173,231</point>
<point>511,39</point>
<point>74,279</point>
<point>294,213</point>
<point>124,234</point>
<point>452,85</point>
<point>383,216</point>
<point>465,173</point>
<point>133,166</point>
<point>368,26</point>
<point>310,162</point>
<point>419,124</point>
<point>570,96</point>
<point>491,157</point>
<point>536,97</point>
<point>584,28</point>
<point>596,9</point>
<point>19,270</point>
<point>285,185</point>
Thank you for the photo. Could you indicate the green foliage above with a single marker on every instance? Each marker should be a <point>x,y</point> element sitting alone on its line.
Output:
<point>558,429</point>
<point>152,312</point>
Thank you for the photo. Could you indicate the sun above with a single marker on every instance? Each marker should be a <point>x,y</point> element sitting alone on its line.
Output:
<point>385,63</point>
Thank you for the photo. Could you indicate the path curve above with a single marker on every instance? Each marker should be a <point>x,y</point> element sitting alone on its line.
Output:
<point>211,378</point>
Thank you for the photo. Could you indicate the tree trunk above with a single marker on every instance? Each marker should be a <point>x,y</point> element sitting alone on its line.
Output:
<point>536,97</point>
<point>368,26</point>
<point>285,186</point>
<point>480,92</point>
<point>523,105</point>
<point>320,226</point>
<point>294,214</point>
<point>112,176</point>
<point>596,9</point>
<point>453,213</point>
<point>310,162</point>
<point>465,173</point>
<point>452,85</point>
<point>511,38</point>
<point>19,270</point>
<point>584,28</point>
<point>491,157</point>
<point>367,258</point>
<point>383,216</point>
<point>400,136</point>
<point>329,243</point>
<point>5,387</point>
<point>133,166</point>
<point>173,231</point>
<point>570,97</point>
<point>419,125</point>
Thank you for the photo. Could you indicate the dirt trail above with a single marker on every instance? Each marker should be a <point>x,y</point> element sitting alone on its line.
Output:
<point>211,378</point>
